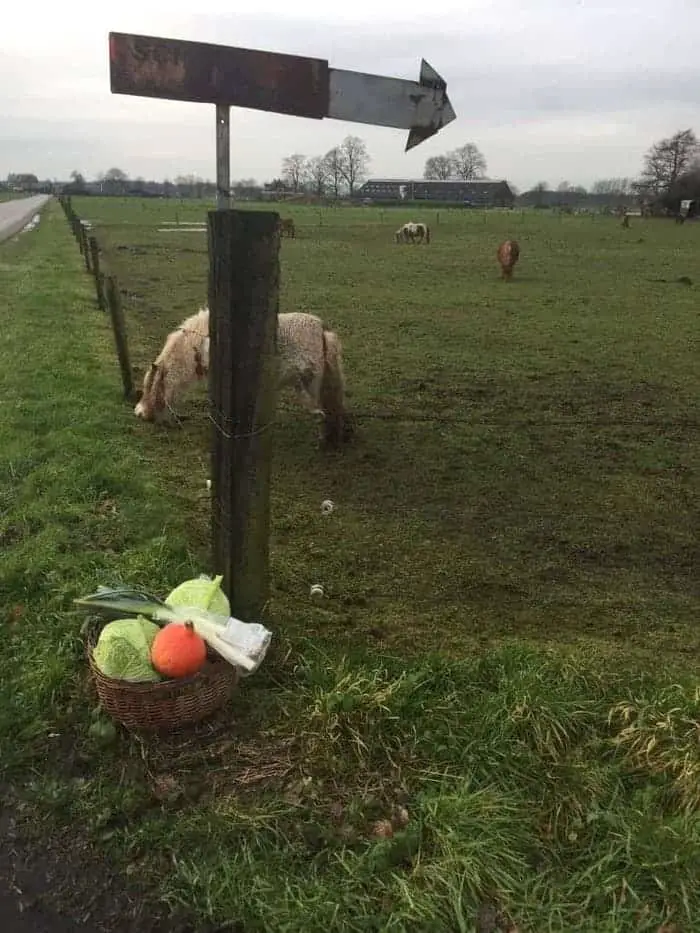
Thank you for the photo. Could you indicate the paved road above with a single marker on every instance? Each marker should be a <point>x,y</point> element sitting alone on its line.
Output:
<point>18,212</point>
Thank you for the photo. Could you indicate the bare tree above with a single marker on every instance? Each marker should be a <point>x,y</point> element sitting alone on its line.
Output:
<point>468,162</point>
<point>668,159</point>
<point>613,186</point>
<point>114,181</point>
<point>438,168</point>
<point>190,186</point>
<point>115,174</point>
<point>563,186</point>
<point>317,172</point>
<point>333,160</point>
<point>354,160</point>
<point>293,171</point>
<point>539,192</point>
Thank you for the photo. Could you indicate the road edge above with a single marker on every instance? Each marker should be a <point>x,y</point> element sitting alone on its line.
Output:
<point>18,225</point>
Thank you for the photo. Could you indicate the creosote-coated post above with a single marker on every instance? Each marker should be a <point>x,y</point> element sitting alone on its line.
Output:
<point>244,302</point>
<point>84,246</point>
<point>119,327</point>
<point>99,278</point>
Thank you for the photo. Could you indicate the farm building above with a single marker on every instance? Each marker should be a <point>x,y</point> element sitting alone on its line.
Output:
<point>469,193</point>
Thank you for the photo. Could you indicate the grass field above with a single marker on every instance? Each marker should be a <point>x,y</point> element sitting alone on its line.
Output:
<point>509,634</point>
<point>527,454</point>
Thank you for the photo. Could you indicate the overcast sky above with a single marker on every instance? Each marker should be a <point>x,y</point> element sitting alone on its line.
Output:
<point>548,89</point>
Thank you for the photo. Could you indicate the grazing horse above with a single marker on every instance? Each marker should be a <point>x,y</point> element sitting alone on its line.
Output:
<point>286,227</point>
<point>508,254</point>
<point>412,232</point>
<point>309,358</point>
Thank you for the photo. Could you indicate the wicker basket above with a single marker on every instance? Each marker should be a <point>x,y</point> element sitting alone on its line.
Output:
<point>168,705</point>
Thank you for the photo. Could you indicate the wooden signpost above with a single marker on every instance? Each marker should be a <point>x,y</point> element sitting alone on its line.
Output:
<point>244,255</point>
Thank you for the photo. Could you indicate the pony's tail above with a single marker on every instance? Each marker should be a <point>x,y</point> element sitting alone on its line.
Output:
<point>337,427</point>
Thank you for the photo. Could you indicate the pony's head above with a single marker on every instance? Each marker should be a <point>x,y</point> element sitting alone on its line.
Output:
<point>152,404</point>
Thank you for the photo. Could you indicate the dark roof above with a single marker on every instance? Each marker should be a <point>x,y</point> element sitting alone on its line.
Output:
<point>457,182</point>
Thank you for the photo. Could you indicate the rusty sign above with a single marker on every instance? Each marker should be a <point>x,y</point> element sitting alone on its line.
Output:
<point>174,69</point>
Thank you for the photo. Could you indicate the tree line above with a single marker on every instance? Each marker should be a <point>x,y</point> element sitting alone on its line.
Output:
<point>670,173</point>
<point>466,163</point>
<point>671,170</point>
<point>342,168</point>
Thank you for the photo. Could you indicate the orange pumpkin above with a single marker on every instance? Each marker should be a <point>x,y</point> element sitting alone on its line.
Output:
<point>178,651</point>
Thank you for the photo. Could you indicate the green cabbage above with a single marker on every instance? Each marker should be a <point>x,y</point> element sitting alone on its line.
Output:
<point>123,650</point>
<point>201,593</point>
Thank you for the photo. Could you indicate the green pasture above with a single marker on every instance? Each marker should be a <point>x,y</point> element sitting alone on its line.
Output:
<point>505,658</point>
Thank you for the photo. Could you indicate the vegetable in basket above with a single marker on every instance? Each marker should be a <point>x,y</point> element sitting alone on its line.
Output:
<point>123,650</point>
<point>178,651</point>
<point>203,593</point>
<point>242,644</point>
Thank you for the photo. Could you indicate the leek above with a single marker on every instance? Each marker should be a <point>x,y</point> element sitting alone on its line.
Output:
<point>114,603</point>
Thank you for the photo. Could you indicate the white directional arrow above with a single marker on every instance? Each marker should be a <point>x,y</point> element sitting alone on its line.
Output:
<point>422,107</point>
<point>175,69</point>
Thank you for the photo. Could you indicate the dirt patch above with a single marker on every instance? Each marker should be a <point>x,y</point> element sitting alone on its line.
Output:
<point>62,884</point>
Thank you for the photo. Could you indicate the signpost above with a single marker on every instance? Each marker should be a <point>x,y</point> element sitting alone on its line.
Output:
<point>244,254</point>
<point>173,69</point>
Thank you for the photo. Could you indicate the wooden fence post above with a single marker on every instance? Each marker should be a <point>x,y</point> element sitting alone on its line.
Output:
<point>99,278</point>
<point>84,248</point>
<point>244,302</point>
<point>119,327</point>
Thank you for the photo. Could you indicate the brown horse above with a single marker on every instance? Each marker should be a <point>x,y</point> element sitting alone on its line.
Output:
<point>286,227</point>
<point>508,254</point>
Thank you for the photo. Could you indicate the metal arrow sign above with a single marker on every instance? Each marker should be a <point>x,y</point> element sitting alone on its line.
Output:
<point>173,69</point>
<point>422,107</point>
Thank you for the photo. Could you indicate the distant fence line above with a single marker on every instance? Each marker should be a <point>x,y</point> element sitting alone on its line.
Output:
<point>106,289</point>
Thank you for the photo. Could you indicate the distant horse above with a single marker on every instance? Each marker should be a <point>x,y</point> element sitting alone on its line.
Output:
<point>286,227</point>
<point>309,357</point>
<point>508,254</point>
<point>412,232</point>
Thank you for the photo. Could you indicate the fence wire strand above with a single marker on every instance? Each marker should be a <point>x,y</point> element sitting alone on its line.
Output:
<point>362,415</point>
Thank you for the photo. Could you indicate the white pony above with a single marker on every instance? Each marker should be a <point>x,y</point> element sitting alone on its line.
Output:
<point>412,232</point>
<point>310,360</point>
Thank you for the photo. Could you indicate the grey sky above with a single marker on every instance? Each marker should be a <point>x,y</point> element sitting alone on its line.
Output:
<point>548,90</point>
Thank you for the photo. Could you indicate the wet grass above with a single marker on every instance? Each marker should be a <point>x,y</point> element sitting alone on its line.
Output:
<point>490,720</point>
